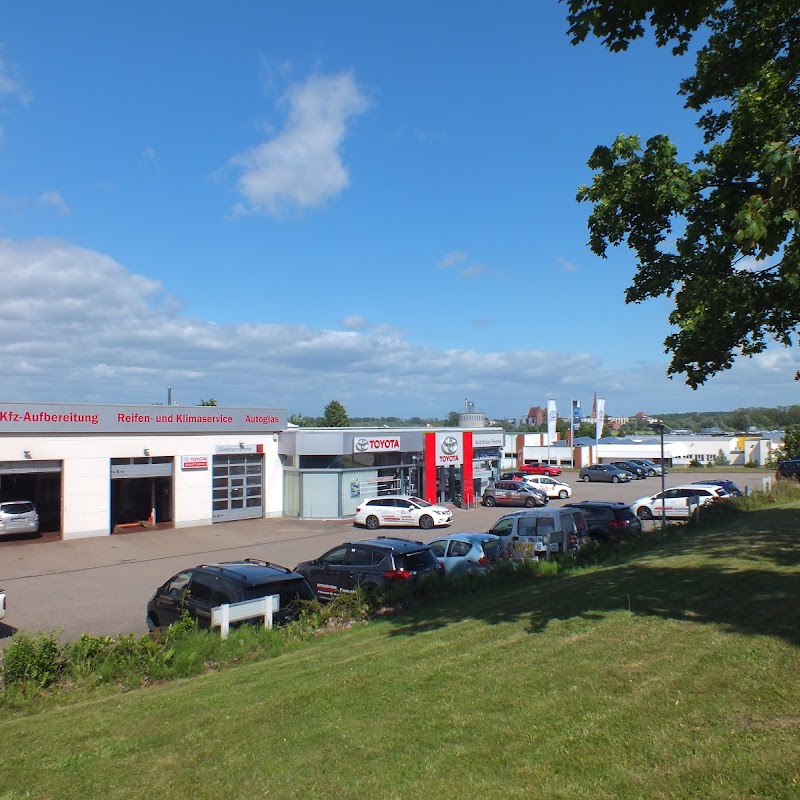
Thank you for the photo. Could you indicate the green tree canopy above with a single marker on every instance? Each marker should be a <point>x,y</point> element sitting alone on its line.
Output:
<point>719,234</point>
<point>335,416</point>
<point>451,420</point>
<point>302,421</point>
<point>791,441</point>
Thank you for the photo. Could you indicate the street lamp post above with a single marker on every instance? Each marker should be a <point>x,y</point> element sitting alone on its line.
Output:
<point>659,426</point>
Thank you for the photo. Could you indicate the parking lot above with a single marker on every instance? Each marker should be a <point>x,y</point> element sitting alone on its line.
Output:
<point>101,585</point>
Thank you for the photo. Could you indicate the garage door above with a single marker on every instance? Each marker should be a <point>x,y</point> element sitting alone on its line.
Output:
<point>238,488</point>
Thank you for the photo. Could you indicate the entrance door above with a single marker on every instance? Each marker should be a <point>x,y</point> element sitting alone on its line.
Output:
<point>238,491</point>
<point>448,484</point>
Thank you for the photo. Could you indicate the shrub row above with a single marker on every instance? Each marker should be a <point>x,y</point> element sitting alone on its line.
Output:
<point>31,664</point>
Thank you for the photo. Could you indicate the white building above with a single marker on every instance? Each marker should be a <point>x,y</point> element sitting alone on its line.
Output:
<point>93,469</point>
<point>679,450</point>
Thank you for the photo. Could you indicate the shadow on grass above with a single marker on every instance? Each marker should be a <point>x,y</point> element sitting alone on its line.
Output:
<point>716,586</point>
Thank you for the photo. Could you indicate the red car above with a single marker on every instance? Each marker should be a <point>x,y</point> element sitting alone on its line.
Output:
<point>541,469</point>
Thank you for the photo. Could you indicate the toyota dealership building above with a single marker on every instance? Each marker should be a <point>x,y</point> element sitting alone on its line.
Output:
<point>93,470</point>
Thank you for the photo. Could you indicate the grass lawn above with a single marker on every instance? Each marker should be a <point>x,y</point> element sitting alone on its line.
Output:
<point>672,674</point>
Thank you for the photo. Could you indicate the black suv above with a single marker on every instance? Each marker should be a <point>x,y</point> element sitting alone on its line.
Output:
<point>789,469</point>
<point>206,586</point>
<point>369,563</point>
<point>608,520</point>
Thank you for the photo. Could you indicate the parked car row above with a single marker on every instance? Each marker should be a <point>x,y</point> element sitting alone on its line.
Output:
<point>372,563</point>
<point>536,531</point>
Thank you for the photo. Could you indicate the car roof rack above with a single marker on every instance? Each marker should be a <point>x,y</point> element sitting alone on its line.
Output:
<point>397,539</point>
<point>230,566</point>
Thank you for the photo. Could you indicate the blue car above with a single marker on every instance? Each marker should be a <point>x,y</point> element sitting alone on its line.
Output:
<point>462,553</point>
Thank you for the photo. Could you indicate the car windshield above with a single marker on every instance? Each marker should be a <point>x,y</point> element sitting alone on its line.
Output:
<point>17,508</point>
<point>420,502</point>
<point>421,559</point>
<point>536,525</point>
<point>492,548</point>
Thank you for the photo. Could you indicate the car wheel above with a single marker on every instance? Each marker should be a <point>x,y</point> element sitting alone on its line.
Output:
<point>563,494</point>
<point>373,523</point>
<point>490,501</point>
<point>426,522</point>
<point>651,473</point>
<point>152,622</point>
<point>645,513</point>
<point>586,479</point>
<point>530,502</point>
<point>615,479</point>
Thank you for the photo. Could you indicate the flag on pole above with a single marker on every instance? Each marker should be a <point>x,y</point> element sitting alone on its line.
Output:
<point>552,416</point>
<point>601,416</point>
<point>576,414</point>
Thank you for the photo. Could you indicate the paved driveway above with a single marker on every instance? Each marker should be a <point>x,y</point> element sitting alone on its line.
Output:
<point>101,585</point>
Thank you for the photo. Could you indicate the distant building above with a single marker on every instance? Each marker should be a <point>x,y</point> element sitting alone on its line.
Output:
<point>536,416</point>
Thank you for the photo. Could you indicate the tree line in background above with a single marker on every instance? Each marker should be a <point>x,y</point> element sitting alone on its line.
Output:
<point>740,420</point>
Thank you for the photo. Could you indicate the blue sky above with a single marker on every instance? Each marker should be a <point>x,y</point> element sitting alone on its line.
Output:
<point>280,204</point>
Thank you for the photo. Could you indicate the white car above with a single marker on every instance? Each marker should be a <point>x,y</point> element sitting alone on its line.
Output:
<point>550,486</point>
<point>401,509</point>
<point>676,501</point>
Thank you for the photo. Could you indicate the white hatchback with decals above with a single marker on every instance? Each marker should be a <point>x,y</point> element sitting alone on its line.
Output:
<point>401,509</point>
<point>680,501</point>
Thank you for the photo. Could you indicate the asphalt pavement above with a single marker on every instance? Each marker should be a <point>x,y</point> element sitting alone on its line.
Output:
<point>101,585</point>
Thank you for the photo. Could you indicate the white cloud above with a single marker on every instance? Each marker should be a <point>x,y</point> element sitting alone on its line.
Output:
<point>76,326</point>
<point>566,265</point>
<point>301,166</point>
<point>355,322</point>
<point>10,85</point>
<point>472,272</point>
<point>53,199</point>
<point>452,259</point>
<point>150,157</point>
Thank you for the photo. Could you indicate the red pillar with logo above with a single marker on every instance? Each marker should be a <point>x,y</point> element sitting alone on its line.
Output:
<point>429,455</point>
<point>467,490</point>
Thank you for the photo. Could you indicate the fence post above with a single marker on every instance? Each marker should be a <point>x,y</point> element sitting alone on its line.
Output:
<point>225,621</point>
<point>271,605</point>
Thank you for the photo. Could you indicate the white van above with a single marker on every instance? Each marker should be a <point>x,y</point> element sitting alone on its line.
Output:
<point>541,531</point>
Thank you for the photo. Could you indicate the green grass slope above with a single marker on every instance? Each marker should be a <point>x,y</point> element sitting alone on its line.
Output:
<point>673,674</point>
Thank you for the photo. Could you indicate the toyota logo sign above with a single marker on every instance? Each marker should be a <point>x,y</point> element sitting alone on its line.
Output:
<point>449,445</point>
<point>362,445</point>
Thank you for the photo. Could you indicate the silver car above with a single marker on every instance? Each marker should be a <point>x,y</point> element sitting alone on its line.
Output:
<point>462,553</point>
<point>18,516</point>
<point>514,493</point>
<point>604,473</point>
